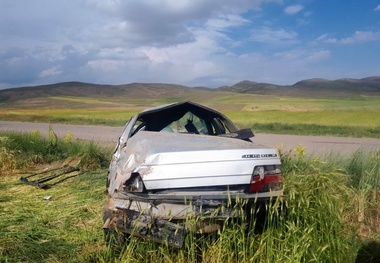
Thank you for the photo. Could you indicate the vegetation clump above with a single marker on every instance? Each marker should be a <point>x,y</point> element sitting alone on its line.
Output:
<point>26,151</point>
<point>7,158</point>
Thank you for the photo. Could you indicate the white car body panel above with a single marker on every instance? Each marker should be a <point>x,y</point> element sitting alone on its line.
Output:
<point>167,160</point>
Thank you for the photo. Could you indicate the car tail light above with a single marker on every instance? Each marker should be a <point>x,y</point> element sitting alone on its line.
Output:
<point>266,178</point>
<point>134,184</point>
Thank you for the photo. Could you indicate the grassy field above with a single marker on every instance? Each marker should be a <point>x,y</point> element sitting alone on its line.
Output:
<point>348,116</point>
<point>111,117</point>
<point>333,211</point>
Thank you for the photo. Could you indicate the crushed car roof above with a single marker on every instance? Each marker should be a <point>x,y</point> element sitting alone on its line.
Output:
<point>159,117</point>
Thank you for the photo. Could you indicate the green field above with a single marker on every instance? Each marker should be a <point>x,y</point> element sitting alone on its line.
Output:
<point>348,116</point>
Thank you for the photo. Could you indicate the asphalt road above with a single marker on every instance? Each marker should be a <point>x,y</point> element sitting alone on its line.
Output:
<point>318,145</point>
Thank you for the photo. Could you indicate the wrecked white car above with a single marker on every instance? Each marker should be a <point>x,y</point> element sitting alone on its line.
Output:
<point>183,161</point>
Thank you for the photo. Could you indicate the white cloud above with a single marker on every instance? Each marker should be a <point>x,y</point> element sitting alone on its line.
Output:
<point>289,66</point>
<point>130,40</point>
<point>357,37</point>
<point>166,22</point>
<point>184,62</point>
<point>49,72</point>
<point>377,8</point>
<point>293,9</point>
<point>361,36</point>
<point>303,56</point>
<point>318,55</point>
<point>273,36</point>
<point>226,21</point>
<point>105,65</point>
<point>326,39</point>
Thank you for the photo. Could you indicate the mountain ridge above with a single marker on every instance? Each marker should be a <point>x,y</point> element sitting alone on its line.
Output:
<point>315,87</point>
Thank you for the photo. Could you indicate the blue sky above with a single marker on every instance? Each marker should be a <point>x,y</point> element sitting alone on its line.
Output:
<point>191,42</point>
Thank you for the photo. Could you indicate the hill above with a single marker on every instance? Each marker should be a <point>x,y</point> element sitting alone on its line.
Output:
<point>80,89</point>
<point>311,87</point>
<point>75,94</point>
<point>68,93</point>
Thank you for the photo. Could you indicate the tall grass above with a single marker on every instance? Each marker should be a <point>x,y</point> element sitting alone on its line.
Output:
<point>364,171</point>
<point>30,149</point>
<point>7,158</point>
<point>332,211</point>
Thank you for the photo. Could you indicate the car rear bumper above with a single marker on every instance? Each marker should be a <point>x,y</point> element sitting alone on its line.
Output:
<point>166,218</point>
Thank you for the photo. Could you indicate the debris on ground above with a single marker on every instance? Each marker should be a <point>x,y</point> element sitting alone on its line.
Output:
<point>50,177</point>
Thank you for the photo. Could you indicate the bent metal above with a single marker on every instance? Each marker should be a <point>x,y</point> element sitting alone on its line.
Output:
<point>185,161</point>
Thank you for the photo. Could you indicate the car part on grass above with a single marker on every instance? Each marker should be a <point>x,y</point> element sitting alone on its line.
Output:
<point>185,162</point>
<point>53,176</point>
<point>130,222</point>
